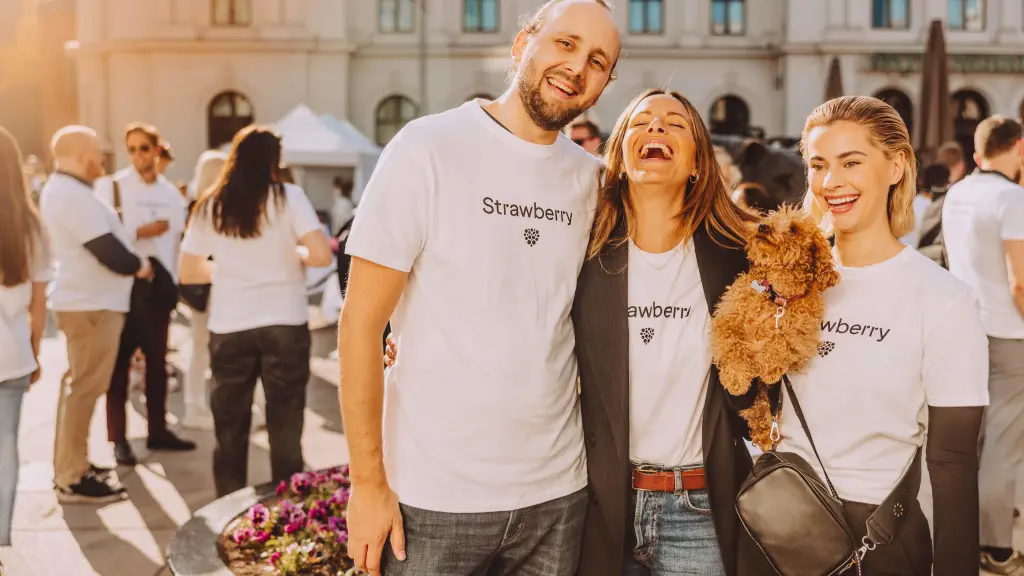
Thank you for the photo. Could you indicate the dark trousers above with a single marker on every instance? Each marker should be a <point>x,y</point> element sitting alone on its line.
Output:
<point>542,540</point>
<point>909,554</point>
<point>279,355</point>
<point>146,327</point>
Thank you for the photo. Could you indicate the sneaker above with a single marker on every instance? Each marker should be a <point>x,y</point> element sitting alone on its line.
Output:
<point>168,442</point>
<point>1014,563</point>
<point>100,470</point>
<point>91,489</point>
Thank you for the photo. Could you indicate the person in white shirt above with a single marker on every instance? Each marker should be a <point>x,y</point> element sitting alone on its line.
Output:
<point>261,234</point>
<point>90,297</point>
<point>343,208</point>
<point>25,270</point>
<point>903,353</point>
<point>983,230</point>
<point>154,213</point>
<point>472,230</point>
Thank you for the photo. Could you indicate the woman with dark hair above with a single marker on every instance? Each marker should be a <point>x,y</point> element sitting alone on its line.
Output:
<point>261,232</point>
<point>25,269</point>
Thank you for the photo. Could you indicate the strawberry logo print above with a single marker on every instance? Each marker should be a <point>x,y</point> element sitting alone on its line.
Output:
<point>647,334</point>
<point>825,347</point>
<point>531,235</point>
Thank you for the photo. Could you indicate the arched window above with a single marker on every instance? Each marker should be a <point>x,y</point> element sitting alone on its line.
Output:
<point>901,103</point>
<point>228,113</point>
<point>232,12</point>
<point>730,115</point>
<point>969,109</point>
<point>393,113</point>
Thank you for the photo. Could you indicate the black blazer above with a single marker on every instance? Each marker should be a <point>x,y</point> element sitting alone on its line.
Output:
<point>602,351</point>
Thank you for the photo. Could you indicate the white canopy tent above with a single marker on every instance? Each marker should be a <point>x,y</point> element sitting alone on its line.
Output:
<point>316,144</point>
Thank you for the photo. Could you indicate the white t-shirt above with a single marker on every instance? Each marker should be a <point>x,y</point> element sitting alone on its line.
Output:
<point>16,357</point>
<point>919,206</point>
<point>669,356</point>
<point>897,337</point>
<point>980,212</point>
<point>142,203</point>
<point>74,216</point>
<point>259,281</point>
<point>481,409</point>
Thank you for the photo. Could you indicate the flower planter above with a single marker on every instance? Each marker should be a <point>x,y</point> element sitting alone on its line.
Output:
<point>299,527</point>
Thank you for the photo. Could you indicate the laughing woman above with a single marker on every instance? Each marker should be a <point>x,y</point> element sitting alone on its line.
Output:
<point>871,396</point>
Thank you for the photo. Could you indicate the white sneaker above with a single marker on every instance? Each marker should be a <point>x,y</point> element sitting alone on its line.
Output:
<point>197,418</point>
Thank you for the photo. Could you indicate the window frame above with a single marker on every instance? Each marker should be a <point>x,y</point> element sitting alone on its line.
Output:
<point>397,29</point>
<point>726,24</point>
<point>963,27</point>
<point>888,12</point>
<point>643,30</point>
<point>479,27</point>
<point>397,100</point>
<point>233,20</point>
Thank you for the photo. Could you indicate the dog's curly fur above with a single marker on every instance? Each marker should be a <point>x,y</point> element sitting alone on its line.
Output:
<point>793,255</point>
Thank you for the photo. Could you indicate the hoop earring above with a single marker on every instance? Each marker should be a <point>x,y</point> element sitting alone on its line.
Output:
<point>693,179</point>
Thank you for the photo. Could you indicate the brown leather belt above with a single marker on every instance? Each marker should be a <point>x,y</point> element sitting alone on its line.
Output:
<point>669,480</point>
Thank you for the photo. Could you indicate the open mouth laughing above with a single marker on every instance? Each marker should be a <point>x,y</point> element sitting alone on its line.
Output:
<point>563,88</point>
<point>841,203</point>
<point>655,150</point>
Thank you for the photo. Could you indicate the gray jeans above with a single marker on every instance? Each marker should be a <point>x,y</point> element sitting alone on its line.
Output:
<point>1003,446</point>
<point>542,540</point>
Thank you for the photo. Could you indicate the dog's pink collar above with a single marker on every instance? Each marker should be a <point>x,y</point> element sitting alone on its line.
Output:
<point>765,288</point>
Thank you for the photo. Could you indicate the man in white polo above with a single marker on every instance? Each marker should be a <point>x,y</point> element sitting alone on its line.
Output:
<point>983,229</point>
<point>95,269</point>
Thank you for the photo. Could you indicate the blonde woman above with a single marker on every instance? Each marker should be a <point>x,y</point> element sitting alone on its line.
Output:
<point>197,406</point>
<point>904,353</point>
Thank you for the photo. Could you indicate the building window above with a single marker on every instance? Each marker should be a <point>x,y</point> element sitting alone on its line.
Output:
<point>228,113</point>
<point>397,15</point>
<point>645,17</point>
<point>730,115</point>
<point>728,17</point>
<point>480,16</point>
<point>393,113</point>
<point>966,15</point>
<point>900,102</point>
<point>232,12</point>
<point>891,14</point>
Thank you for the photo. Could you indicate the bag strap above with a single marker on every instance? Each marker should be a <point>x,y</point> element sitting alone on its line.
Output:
<point>117,200</point>
<point>888,519</point>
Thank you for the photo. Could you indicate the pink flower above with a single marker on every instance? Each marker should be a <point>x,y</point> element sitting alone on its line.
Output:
<point>275,557</point>
<point>261,536</point>
<point>259,514</point>
<point>336,524</point>
<point>242,536</point>
<point>282,487</point>
<point>300,483</point>
<point>342,537</point>
<point>294,526</point>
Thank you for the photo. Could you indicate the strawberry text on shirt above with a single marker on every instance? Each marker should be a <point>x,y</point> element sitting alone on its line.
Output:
<point>492,206</point>
<point>842,327</point>
<point>657,311</point>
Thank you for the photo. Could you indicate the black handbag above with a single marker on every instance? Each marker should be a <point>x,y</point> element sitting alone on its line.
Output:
<point>797,520</point>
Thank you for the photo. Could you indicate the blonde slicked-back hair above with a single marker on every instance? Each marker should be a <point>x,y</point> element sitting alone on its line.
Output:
<point>888,134</point>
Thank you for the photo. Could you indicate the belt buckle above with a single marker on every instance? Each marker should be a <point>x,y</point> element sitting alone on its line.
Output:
<point>644,470</point>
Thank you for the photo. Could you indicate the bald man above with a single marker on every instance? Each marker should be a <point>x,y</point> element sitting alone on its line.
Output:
<point>90,298</point>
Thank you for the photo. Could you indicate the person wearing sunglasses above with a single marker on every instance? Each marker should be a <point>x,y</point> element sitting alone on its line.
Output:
<point>586,134</point>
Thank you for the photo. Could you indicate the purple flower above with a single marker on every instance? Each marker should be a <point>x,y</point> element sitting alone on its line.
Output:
<point>339,497</point>
<point>242,536</point>
<point>282,487</point>
<point>342,537</point>
<point>259,514</point>
<point>345,470</point>
<point>317,513</point>
<point>300,483</point>
<point>275,557</point>
<point>261,536</point>
<point>294,526</point>
<point>337,524</point>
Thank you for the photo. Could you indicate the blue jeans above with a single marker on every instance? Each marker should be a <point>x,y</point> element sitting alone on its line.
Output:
<point>674,535</point>
<point>11,393</point>
<point>542,540</point>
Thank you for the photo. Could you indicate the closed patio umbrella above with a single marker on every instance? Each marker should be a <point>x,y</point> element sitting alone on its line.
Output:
<point>834,83</point>
<point>935,126</point>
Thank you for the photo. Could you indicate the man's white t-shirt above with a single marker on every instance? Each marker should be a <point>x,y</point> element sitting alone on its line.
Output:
<point>920,206</point>
<point>669,356</point>
<point>16,356</point>
<point>260,281</point>
<point>481,409</point>
<point>980,213</point>
<point>74,216</point>
<point>897,337</point>
<point>142,203</point>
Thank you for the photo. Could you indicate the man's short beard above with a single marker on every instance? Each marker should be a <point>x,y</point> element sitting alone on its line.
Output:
<point>544,115</point>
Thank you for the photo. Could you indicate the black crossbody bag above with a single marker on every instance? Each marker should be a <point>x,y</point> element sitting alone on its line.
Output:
<point>797,520</point>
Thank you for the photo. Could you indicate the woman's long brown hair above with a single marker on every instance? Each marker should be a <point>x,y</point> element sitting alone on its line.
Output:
<point>21,229</point>
<point>706,201</point>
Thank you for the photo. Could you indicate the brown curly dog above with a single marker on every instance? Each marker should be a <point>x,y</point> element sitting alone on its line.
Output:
<point>768,321</point>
